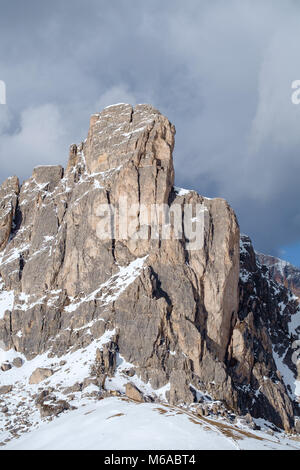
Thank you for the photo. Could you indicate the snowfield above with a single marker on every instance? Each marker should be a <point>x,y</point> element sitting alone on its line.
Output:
<point>114,423</point>
<point>6,302</point>
<point>118,423</point>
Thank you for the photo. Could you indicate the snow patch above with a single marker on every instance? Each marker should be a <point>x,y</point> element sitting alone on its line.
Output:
<point>6,302</point>
<point>181,191</point>
<point>114,287</point>
<point>113,423</point>
<point>286,373</point>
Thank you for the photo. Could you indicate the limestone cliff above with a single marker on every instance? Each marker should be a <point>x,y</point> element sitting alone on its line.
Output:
<point>177,313</point>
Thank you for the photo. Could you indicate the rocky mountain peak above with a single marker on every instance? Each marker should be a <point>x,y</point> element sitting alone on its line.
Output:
<point>121,134</point>
<point>160,296</point>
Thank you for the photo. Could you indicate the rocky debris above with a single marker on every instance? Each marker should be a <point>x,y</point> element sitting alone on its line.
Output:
<point>48,404</point>
<point>215,409</point>
<point>202,411</point>
<point>105,362</point>
<point>248,421</point>
<point>90,381</point>
<point>77,387</point>
<point>6,366</point>
<point>104,365</point>
<point>179,315</point>
<point>18,362</point>
<point>53,409</point>
<point>5,389</point>
<point>282,272</point>
<point>114,393</point>
<point>297,425</point>
<point>40,397</point>
<point>248,418</point>
<point>134,393</point>
<point>39,375</point>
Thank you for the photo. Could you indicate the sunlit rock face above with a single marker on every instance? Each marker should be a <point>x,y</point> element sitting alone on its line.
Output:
<point>179,314</point>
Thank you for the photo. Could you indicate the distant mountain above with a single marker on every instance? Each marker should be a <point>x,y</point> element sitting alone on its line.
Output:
<point>282,272</point>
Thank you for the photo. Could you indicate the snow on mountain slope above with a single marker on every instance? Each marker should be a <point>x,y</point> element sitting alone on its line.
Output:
<point>94,317</point>
<point>112,422</point>
<point>269,313</point>
<point>282,272</point>
<point>117,423</point>
<point>6,302</point>
<point>19,410</point>
<point>6,299</point>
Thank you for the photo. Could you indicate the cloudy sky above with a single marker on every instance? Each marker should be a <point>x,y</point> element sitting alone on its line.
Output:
<point>221,70</point>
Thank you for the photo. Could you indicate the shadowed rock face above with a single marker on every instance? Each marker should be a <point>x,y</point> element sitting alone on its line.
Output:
<point>174,310</point>
<point>262,343</point>
<point>8,201</point>
<point>282,272</point>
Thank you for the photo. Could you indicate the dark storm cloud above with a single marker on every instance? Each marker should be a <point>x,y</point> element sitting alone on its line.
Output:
<point>220,70</point>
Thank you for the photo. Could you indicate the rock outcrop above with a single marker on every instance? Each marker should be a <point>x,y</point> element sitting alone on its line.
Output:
<point>8,201</point>
<point>5,389</point>
<point>39,375</point>
<point>170,306</point>
<point>134,393</point>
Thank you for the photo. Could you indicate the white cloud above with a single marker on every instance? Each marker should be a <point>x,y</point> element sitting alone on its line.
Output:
<point>39,140</point>
<point>116,94</point>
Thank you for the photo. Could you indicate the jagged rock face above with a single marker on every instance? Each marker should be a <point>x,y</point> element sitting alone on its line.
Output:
<point>173,307</point>
<point>282,272</point>
<point>177,313</point>
<point>261,344</point>
<point>9,191</point>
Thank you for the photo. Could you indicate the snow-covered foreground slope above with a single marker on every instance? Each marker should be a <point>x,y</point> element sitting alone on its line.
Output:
<point>112,422</point>
<point>117,423</point>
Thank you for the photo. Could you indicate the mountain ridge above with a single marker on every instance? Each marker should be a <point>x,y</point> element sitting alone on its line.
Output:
<point>282,272</point>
